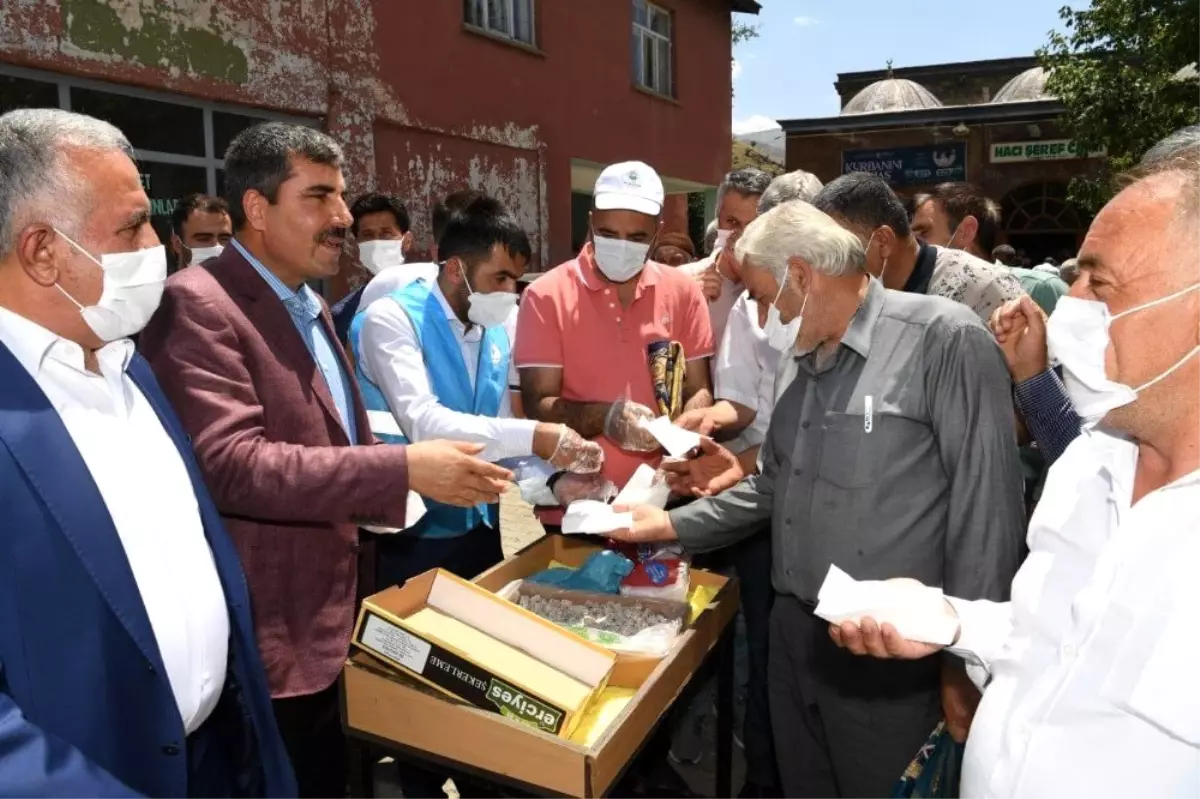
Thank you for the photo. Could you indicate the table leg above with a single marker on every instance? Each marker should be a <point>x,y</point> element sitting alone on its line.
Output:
<point>362,770</point>
<point>724,772</point>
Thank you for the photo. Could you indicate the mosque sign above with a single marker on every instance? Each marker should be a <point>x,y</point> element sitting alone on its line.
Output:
<point>910,166</point>
<point>1049,150</point>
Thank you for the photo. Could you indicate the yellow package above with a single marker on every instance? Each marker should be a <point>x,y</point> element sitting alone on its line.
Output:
<point>700,597</point>
<point>600,715</point>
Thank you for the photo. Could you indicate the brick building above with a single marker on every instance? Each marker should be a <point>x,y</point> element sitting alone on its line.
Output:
<point>988,122</point>
<point>525,99</point>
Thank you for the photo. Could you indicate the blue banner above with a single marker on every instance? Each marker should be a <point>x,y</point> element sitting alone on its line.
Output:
<point>911,166</point>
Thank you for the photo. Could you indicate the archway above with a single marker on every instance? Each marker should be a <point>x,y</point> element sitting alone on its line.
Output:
<point>1041,223</point>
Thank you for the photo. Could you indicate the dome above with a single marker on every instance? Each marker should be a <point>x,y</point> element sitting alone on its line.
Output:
<point>891,94</point>
<point>1027,87</point>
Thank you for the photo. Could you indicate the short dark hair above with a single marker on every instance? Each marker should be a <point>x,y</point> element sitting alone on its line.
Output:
<point>193,204</point>
<point>260,158</point>
<point>374,203</point>
<point>960,200</point>
<point>1004,254</point>
<point>440,215</point>
<point>748,182</point>
<point>864,200</point>
<point>473,231</point>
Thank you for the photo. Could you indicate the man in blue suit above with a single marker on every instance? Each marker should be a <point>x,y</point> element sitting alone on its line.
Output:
<point>128,663</point>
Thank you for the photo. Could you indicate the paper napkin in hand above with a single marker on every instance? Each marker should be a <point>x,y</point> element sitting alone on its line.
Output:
<point>674,439</point>
<point>918,612</point>
<point>587,516</point>
<point>647,486</point>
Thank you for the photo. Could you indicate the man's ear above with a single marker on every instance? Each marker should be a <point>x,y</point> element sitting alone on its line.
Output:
<point>406,243</point>
<point>800,272</point>
<point>255,205</point>
<point>887,238</point>
<point>969,228</point>
<point>40,250</point>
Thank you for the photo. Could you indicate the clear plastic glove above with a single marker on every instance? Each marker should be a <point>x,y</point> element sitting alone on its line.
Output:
<point>621,426</point>
<point>571,487</point>
<point>576,454</point>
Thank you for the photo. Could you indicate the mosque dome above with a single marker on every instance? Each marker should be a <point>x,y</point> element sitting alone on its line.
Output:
<point>891,94</point>
<point>1027,87</point>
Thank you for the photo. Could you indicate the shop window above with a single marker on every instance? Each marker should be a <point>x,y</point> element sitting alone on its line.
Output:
<point>21,93</point>
<point>652,43</point>
<point>512,19</point>
<point>149,124</point>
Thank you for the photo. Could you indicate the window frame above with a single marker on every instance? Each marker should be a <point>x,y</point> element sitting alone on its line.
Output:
<point>643,31</point>
<point>210,161</point>
<point>485,25</point>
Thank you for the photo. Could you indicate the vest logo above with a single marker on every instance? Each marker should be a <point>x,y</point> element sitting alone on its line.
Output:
<point>519,707</point>
<point>496,357</point>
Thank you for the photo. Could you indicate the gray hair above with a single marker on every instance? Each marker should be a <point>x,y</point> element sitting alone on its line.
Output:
<point>710,237</point>
<point>1178,143</point>
<point>260,158</point>
<point>37,180</point>
<point>748,182</point>
<point>1069,271</point>
<point>798,185</point>
<point>798,230</point>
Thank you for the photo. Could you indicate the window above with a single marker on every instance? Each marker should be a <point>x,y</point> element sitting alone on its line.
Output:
<point>512,19</point>
<point>652,48</point>
<point>179,142</point>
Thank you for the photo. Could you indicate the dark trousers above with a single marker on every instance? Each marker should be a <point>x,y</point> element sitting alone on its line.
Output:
<point>223,755</point>
<point>844,725</point>
<point>752,559</point>
<point>401,557</point>
<point>311,727</point>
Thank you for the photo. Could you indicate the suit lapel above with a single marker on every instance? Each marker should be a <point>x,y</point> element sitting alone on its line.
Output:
<point>270,316</point>
<point>361,423</point>
<point>45,452</point>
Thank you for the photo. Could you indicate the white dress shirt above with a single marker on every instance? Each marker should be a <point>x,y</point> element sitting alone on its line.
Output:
<point>718,309</point>
<point>392,359</point>
<point>744,371</point>
<point>146,488</point>
<point>394,278</point>
<point>1094,663</point>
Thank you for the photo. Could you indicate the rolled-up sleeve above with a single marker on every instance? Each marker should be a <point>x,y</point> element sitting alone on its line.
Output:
<point>971,409</point>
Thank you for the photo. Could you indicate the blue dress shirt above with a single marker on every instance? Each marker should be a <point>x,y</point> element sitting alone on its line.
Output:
<point>305,309</point>
<point>1048,412</point>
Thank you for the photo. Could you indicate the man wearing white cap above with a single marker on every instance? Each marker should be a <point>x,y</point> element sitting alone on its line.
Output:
<point>587,331</point>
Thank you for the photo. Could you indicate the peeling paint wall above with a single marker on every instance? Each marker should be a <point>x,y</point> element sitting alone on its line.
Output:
<point>422,105</point>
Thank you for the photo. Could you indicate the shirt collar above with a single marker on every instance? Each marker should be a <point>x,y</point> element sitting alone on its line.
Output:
<point>31,344</point>
<point>474,334</point>
<point>302,304</point>
<point>589,273</point>
<point>922,274</point>
<point>858,334</point>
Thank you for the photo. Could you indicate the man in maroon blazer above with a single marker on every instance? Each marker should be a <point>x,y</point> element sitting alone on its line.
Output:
<point>247,354</point>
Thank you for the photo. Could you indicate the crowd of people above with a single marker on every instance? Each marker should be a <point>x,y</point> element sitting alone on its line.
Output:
<point>201,476</point>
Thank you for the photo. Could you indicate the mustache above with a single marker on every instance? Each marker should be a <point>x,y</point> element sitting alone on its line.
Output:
<point>342,233</point>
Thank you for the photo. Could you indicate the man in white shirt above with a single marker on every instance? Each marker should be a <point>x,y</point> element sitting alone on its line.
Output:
<point>1090,670</point>
<point>127,656</point>
<point>737,207</point>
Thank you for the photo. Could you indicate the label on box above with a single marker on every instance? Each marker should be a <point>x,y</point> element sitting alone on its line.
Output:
<point>395,643</point>
<point>460,677</point>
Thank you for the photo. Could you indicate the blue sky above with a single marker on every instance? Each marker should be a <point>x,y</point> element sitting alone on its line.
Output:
<point>789,70</point>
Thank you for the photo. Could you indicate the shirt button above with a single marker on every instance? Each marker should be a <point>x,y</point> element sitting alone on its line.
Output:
<point>1068,652</point>
<point>787,522</point>
<point>789,572</point>
<point>612,305</point>
<point>804,425</point>
<point>171,749</point>
<point>795,472</point>
<point>607,292</point>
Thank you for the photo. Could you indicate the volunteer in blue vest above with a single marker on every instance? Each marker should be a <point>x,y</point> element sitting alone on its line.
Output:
<point>433,361</point>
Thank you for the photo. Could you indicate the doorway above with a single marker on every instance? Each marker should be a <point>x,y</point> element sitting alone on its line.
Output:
<point>1041,223</point>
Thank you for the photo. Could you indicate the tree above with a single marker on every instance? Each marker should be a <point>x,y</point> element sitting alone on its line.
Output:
<point>1121,70</point>
<point>743,32</point>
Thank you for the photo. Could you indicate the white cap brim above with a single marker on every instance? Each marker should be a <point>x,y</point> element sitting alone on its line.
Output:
<point>620,201</point>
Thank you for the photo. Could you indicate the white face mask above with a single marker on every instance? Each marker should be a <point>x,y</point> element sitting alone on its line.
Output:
<point>1077,336</point>
<point>202,254</point>
<point>380,254</point>
<point>722,239</point>
<point>488,310</point>
<point>133,287</point>
<point>618,259</point>
<point>782,336</point>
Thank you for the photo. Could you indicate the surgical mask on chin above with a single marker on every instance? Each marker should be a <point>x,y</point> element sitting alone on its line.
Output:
<point>488,310</point>
<point>1077,337</point>
<point>618,259</point>
<point>380,254</point>
<point>133,287</point>
<point>722,239</point>
<point>202,254</point>
<point>780,336</point>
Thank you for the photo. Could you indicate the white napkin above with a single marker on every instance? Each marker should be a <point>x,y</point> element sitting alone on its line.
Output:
<point>646,487</point>
<point>587,516</point>
<point>918,612</point>
<point>674,439</point>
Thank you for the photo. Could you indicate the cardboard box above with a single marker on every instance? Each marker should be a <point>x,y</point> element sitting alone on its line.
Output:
<point>474,646</point>
<point>397,713</point>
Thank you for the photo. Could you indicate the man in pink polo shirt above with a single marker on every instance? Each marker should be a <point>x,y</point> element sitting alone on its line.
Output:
<point>584,329</point>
